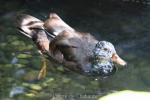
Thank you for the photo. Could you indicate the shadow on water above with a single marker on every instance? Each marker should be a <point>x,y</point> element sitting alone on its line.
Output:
<point>126,25</point>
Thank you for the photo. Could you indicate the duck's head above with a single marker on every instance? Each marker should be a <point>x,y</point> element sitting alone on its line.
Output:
<point>104,57</point>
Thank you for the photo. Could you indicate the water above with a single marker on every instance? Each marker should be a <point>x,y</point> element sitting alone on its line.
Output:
<point>126,27</point>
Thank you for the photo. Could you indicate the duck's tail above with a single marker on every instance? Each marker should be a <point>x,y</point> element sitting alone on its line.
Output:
<point>29,25</point>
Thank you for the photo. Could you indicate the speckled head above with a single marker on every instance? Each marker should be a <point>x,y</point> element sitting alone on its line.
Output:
<point>104,50</point>
<point>104,56</point>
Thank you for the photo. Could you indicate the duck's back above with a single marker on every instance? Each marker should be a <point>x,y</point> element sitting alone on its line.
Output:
<point>80,50</point>
<point>85,56</point>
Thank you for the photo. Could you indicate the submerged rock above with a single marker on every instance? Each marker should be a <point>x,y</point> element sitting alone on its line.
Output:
<point>16,91</point>
<point>31,76</point>
<point>20,73</point>
<point>14,60</point>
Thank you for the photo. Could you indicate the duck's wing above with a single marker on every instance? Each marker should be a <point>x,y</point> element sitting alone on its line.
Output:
<point>68,45</point>
<point>54,24</point>
<point>66,42</point>
<point>26,24</point>
<point>33,28</point>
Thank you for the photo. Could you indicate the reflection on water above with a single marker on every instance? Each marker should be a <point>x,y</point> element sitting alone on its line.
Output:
<point>126,27</point>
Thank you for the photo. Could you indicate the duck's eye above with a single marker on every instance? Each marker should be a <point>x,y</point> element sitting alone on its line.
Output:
<point>105,49</point>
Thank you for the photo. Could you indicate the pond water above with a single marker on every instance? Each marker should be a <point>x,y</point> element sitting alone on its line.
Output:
<point>126,25</point>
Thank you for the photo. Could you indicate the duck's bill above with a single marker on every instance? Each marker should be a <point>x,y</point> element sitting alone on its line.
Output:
<point>116,59</point>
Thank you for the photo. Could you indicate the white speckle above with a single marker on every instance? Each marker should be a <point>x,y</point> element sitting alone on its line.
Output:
<point>96,79</point>
<point>14,60</point>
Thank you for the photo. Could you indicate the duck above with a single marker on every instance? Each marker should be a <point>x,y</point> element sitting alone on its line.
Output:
<point>77,51</point>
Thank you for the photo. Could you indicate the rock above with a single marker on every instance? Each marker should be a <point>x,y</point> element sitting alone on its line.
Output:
<point>35,87</point>
<point>16,91</point>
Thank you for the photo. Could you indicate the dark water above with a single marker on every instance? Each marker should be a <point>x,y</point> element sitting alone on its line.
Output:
<point>126,25</point>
